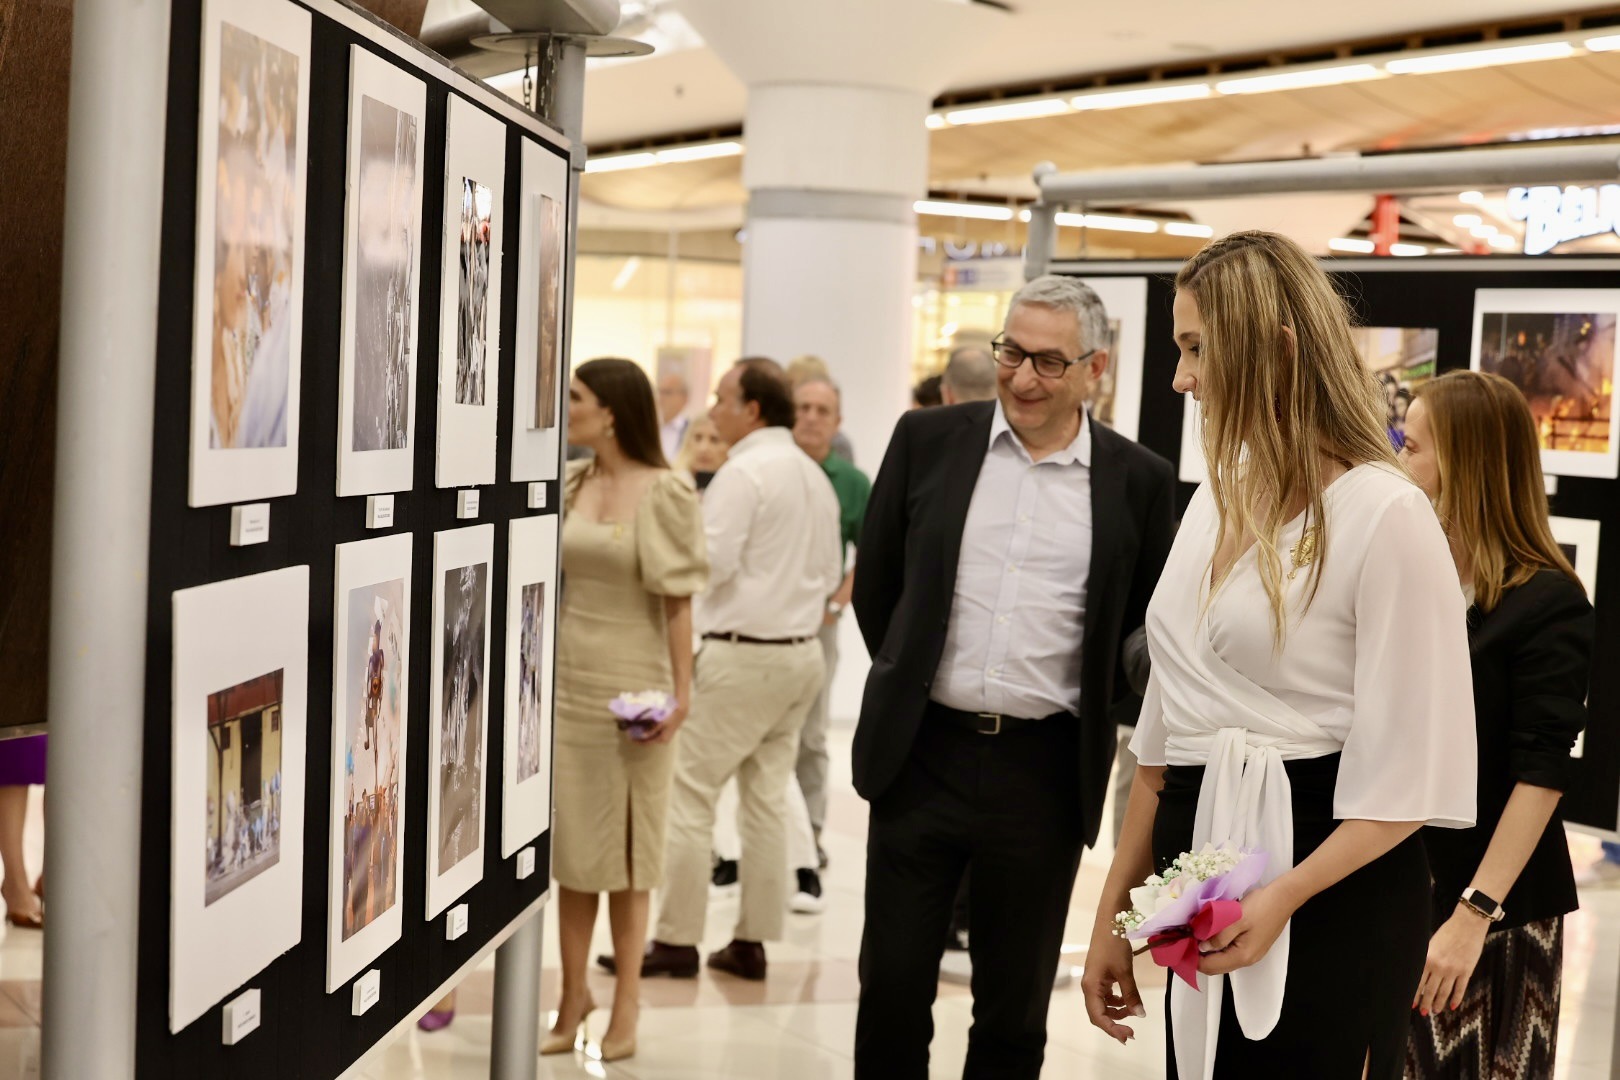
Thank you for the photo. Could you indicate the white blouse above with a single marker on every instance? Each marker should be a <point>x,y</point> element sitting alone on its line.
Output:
<point>1376,669</point>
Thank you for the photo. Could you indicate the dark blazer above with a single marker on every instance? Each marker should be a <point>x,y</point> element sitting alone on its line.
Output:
<point>906,580</point>
<point>1532,657</point>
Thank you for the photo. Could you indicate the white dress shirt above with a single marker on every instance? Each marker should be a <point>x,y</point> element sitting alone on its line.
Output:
<point>771,517</point>
<point>1017,618</point>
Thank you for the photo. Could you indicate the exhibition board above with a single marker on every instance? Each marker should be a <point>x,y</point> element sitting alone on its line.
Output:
<point>1549,324</point>
<point>345,223</point>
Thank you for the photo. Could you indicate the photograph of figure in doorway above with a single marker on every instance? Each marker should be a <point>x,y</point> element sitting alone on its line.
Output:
<point>461,720</point>
<point>553,238</point>
<point>255,203</point>
<point>376,661</point>
<point>390,211</point>
<point>530,657</point>
<point>1563,362</point>
<point>244,783</point>
<point>1101,402</point>
<point>1403,358</point>
<point>472,328</point>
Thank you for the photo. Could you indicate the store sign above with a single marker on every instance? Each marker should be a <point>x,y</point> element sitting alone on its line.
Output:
<point>1554,215</point>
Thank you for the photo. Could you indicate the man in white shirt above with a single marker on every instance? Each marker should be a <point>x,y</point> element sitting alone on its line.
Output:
<point>772,523</point>
<point>1009,546</point>
<point>673,395</point>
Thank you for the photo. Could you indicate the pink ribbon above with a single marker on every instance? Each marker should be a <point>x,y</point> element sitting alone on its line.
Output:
<point>1177,949</point>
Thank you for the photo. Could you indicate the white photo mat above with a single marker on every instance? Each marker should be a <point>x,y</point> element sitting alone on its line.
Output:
<point>526,804</point>
<point>1558,301</point>
<point>226,634</point>
<point>360,564</point>
<point>536,452</point>
<point>1584,534</point>
<point>1126,299</point>
<point>453,550</point>
<point>224,475</point>
<point>1193,468</point>
<point>475,150</point>
<point>377,214</point>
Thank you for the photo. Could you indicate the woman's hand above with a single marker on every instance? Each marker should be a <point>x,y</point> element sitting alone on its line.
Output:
<point>665,732</point>
<point>1108,964</point>
<point>1453,954</point>
<point>1266,911</point>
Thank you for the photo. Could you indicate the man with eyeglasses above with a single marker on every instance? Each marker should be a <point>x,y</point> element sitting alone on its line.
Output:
<point>1009,547</point>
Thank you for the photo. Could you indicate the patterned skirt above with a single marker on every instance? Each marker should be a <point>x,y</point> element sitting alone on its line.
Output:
<point>1507,1025</point>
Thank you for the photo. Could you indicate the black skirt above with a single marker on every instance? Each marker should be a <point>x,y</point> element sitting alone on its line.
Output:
<point>1356,954</point>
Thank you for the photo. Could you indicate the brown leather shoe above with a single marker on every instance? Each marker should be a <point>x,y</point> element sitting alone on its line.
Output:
<point>744,959</point>
<point>676,961</point>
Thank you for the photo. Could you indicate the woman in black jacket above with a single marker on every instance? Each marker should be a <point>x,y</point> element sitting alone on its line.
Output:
<point>1488,1002</point>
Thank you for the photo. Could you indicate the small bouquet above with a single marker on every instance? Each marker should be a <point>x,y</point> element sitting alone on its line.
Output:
<point>640,714</point>
<point>1195,898</point>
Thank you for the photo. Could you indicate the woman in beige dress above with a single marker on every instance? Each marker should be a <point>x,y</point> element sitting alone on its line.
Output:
<point>633,557</point>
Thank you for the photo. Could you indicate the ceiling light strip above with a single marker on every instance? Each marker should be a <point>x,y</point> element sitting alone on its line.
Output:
<point>1147,95</point>
<point>1303,79</point>
<point>977,211</point>
<point>1479,58</point>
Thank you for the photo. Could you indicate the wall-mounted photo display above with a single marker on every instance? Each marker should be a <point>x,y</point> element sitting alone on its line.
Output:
<point>1558,347</point>
<point>1403,358</point>
<point>381,276</point>
<point>1193,469</point>
<point>1578,537</point>
<point>543,255</point>
<point>247,325</point>
<point>1116,400</point>
<point>371,649</point>
<point>470,295</point>
<point>240,693</point>
<point>531,623</point>
<point>463,575</point>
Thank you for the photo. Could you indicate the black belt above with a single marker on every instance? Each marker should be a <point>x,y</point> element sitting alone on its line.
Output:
<point>982,723</point>
<point>744,639</point>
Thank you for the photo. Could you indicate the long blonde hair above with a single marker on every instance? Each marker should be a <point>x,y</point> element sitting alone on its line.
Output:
<point>1283,383</point>
<point>1493,499</point>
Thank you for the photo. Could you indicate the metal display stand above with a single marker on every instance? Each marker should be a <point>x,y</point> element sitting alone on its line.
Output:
<point>117,167</point>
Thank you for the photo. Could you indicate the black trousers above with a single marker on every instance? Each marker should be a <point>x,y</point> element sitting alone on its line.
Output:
<point>1008,807</point>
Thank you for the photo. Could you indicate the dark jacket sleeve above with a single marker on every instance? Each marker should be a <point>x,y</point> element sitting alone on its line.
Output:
<point>1134,655</point>
<point>881,560</point>
<point>1548,674</point>
<point>1158,533</point>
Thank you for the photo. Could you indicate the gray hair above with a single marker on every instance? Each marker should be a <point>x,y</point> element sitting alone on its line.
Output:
<point>1069,294</point>
<point>821,380</point>
<point>971,373</point>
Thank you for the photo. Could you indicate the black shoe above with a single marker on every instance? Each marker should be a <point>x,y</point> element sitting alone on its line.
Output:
<point>725,874</point>
<point>808,901</point>
<point>744,959</point>
<point>676,961</point>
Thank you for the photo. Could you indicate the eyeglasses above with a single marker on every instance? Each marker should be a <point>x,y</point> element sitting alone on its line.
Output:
<point>1045,364</point>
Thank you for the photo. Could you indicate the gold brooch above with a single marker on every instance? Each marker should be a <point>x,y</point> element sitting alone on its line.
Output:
<point>1304,553</point>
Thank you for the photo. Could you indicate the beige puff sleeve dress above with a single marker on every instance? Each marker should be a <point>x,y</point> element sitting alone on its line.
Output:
<point>612,794</point>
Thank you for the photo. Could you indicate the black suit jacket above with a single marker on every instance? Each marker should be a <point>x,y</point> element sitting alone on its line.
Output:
<point>906,580</point>
<point>1532,658</point>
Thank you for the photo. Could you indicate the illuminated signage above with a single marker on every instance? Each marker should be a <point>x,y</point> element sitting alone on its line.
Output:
<point>1554,216</point>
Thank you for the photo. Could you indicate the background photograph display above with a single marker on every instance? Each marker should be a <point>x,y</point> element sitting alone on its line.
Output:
<point>253,141</point>
<point>531,624</point>
<point>1579,539</point>
<point>1117,398</point>
<point>1404,359</point>
<point>463,563</point>
<point>1557,346</point>
<point>470,295</point>
<point>542,252</point>
<point>370,702</point>
<point>240,682</point>
<point>381,276</point>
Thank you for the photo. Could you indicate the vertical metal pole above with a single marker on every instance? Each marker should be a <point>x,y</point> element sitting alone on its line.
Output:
<point>103,501</point>
<point>1040,241</point>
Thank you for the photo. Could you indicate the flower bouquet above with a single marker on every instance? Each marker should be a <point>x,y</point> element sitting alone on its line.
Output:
<point>1195,898</point>
<point>640,714</point>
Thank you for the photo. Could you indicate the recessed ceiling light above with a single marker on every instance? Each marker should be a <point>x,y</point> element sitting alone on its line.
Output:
<point>1473,198</point>
<point>1467,221</point>
<point>1300,80</point>
<point>934,121</point>
<point>1479,58</point>
<point>1012,110</point>
<point>1503,241</point>
<point>1482,230</point>
<point>1147,95</point>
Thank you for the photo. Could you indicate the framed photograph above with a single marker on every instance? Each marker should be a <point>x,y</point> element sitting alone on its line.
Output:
<point>1193,469</point>
<point>463,575</point>
<point>1117,398</point>
<point>531,648</point>
<point>371,649</point>
<point>382,248</point>
<point>1557,346</point>
<point>1403,359</point>
<point>470,295</point>
<point>541,322</point>
<point>253,137</point>
<point>1579,539</point>
<point>240,692</point>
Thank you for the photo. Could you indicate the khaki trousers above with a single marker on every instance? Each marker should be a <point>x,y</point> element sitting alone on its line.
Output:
<point>748,704</point>
<point>812,765</point>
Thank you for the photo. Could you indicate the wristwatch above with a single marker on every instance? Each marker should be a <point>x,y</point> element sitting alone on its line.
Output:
<point>1482,905</point>
<point>834,608</point>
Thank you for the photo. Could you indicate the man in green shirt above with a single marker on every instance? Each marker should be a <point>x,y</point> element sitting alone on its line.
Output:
<point>818,406</point>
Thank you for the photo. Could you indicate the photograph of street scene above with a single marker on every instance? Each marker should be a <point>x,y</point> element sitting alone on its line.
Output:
<point>244,783</point>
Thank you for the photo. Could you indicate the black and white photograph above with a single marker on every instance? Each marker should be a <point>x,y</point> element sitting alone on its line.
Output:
<point>531,620</point>
<point>531,642</point>
<point>540,383</point>
<point>472,306</point>
<point>553,240</point>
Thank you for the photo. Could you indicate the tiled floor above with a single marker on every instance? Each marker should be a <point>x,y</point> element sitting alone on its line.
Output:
<point>799,1025</point>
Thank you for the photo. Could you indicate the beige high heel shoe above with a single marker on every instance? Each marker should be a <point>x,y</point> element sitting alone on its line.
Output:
<point>618,1050</point>
<point>562,1042</point>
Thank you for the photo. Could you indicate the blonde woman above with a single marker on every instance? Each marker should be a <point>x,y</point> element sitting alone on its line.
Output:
<point>702,453</point>
<point>1488,1003</point>
<point>1310,694</point>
